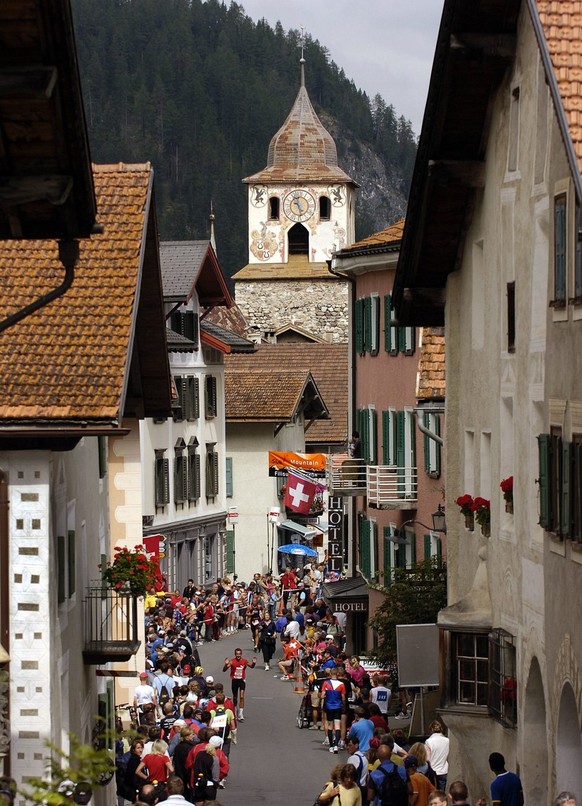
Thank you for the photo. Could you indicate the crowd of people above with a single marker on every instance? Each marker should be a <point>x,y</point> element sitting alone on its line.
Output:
<point>186,723</point>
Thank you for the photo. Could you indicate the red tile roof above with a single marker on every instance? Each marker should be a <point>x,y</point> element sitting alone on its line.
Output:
<point>385,237</point>
<point>70,359</point>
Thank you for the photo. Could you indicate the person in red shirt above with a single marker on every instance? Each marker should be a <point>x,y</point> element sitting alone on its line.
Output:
<point>291,649</point>
<point>288,584</point>
<point>238,672</point>
<point>158,764</point>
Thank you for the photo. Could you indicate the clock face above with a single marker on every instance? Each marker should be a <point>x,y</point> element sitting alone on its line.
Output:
<point>299,205</point>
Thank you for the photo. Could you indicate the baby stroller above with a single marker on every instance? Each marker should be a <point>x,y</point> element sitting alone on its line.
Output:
<point>304,716</point>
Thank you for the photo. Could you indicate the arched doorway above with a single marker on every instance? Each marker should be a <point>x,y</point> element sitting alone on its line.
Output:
<point>568,749</point>
<point>535,766</point>
<point>298,240</point>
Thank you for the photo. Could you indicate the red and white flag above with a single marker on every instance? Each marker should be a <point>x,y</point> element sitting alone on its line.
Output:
<point>299,493</point>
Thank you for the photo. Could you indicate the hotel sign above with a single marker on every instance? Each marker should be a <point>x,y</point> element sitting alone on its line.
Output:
<point>335,534</point>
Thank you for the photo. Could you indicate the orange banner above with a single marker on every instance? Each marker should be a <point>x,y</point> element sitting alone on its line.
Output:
<point>279,460</point>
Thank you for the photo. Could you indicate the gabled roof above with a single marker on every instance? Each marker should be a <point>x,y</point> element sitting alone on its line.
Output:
<point>475,45</point>
<point>97,352</point>
<point>386,239</point>
<point>328,363</point>
<point>302,150</point>
<point>190,267</point>
<point>272,396</point>
<point>234,342</point>
<point>298,267</point>
<point>47,185</point>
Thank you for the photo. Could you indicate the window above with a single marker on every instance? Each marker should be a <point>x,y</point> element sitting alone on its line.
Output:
<point>432,449</point>
<point>324,208</point>
<point>510,317</point>
<point>211,401</point>
<point>390,557</point>
<point>359,326</point>
<point>554,481</point>
<point>368,548</point>
<point>576,476</point>
<point>161,479</point>
<point>367,325</point>
<point>366,425</point>
<point>560,246</point>
<point>102,448</point>
<point>71,562</point>
<point>180,472</point>
<point>229,479</point>
<point>211,471</point>
<point>470,668</point>
<point>513,149</point>
<point>274,208</point>
<point>389,426</point>
<point>186,323</point>
<point>432,546</point>
<point>397,339</point>
<point>193,471</point>
<point>188,388</point>
<point>503,686</point>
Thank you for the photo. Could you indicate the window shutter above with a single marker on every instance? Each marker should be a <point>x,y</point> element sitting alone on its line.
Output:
<point>387,559</point>
<point>365,547</point>
<point>436,446</point>
<point>359,326</point>
<point>427,546</point>
<point>400,452</point>
<point>387,319</point>
<point>367,324</point>
<point>412,431</point>
<point>178,412</point>
<point>560,249</point>
<point>189,397</point>
<point>544,480</point>
<point>230,551</point>
<point>401,555</point>
<point>195,398</point>
<point>373,436</point>
<point>375,324</point>
<point>215,472</point>
<point>409,340</point>
<point>386,437</point>
<point>179,479</point>
<point>412,538</point>
<point>211,405</point>
<point>373,548</point>
<point>229,492</point>
<point>166,480</point>
<point>566,509</point>
<point>427,440</point>
<point>364,431</point>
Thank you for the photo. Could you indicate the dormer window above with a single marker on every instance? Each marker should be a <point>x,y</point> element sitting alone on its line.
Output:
<point>274,207</point>
<point>324,208</point>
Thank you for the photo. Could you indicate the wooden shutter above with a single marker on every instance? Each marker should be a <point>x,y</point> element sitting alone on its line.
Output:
<point>195,398</point>
<point>367,324</point>
<point>386,425</point>
<point>229,480</point>
<point>102,443</point>
<point>364,431</point>
<point>427,546</point>
<point>375,324</point>
<point>373,436</point>
<point>359,326</point>
<point>544,480</point>
<point>230,551</point>
<point>373,549</point>
<point>566,508</point>
<point>390,333</point>
<point>560,230</point>
<point>401,452</point>
<point>211,403</point>
<point>387,558</point>
<point>365,547</point>
<point>193,476</point>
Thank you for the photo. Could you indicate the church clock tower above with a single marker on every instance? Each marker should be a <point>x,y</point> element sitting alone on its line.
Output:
<point>301,209</point>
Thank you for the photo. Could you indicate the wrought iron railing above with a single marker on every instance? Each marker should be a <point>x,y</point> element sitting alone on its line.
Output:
<point>111,625</point>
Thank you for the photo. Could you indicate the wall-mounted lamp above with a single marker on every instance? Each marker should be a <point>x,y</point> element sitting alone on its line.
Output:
<point>438,525</point>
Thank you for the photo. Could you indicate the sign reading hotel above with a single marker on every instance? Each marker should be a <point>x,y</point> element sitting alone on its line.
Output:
<point>282,461</point>
<point>335,534</point>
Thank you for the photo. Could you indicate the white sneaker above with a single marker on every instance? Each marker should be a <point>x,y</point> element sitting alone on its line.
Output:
<point>333,749</point>
<point>266,667</point>
<point>325,742</point>
<point>284,677</point>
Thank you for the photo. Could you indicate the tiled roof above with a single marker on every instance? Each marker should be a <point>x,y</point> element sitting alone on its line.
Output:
<point>297,268</point>
<point>180,262</point>
<point>178,343</point>
<point>431,365</point>
<point>328,363</point>
<point>236,343</point>
<point>231,319</point>
<point>390,236</point>
<point>562,24</point>
<point>302,149</point>
<point>69,359</point>
<point>266,395</point>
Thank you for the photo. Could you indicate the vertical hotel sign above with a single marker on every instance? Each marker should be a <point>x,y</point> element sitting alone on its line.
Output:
<point>335,533</point>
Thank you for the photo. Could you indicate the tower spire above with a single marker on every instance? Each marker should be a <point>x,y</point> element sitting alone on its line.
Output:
<point>211,219</point>
<point>302,59</point>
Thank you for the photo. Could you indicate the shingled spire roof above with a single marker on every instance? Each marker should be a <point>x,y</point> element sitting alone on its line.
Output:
<point>302,149</point>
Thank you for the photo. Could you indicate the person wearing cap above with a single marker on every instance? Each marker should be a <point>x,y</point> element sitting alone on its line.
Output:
<point>144,694</point>
<point>205,734</point>
<point>421,786</point>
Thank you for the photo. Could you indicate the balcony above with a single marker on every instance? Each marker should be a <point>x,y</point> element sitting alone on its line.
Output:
<point>386,486</point>
<point>111,626</point>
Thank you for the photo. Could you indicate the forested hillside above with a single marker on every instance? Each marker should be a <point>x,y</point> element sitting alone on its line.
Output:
<point>199,89</point>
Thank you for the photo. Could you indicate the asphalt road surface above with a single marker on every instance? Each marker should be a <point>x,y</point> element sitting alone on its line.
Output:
<point>274,761</point>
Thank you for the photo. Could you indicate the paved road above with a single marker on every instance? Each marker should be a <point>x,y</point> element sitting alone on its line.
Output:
<point>274,762</point>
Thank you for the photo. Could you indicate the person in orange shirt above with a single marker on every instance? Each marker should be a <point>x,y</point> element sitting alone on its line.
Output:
<point>290,654</point>
<point>421,786</point>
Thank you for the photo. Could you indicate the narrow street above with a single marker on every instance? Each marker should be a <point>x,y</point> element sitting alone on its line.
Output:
<point>274,761</point>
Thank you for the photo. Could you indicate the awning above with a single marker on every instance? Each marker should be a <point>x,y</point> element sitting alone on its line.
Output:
<point>347,595</point>
<point>293,526</point>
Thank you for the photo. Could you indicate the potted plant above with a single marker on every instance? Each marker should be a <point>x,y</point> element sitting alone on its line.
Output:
<point>465,503</point>
<point>507,490</point>
<point>482,510</point>
<point>131,571</point>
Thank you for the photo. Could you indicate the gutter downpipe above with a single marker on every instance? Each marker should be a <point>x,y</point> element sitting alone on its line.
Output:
<point>422,427</point>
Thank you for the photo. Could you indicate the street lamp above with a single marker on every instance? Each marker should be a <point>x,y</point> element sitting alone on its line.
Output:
<point>438,525</point>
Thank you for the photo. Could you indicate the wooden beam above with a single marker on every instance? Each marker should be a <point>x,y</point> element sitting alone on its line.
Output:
<point>500,46</point>
<point>27,81</point>
<point>15,190</point>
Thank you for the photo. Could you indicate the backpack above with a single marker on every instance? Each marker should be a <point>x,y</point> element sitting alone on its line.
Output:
<point>394,790</point>
<point>164,696</point>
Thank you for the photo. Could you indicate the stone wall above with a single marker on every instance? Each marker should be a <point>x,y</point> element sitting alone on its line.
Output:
<point>318,306</point>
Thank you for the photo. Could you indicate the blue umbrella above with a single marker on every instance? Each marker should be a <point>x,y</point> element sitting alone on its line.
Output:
<point>298,549</point>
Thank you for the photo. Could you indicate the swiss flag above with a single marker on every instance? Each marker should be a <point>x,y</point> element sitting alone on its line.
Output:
<point>299,493</point>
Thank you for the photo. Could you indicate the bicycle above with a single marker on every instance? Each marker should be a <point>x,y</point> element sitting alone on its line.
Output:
<point>131,712</point>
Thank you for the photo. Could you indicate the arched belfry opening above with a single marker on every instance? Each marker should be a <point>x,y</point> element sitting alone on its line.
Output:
<point>298,240</point>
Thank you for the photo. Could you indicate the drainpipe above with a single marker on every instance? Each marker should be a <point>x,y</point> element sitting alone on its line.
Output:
<point>422,427</point>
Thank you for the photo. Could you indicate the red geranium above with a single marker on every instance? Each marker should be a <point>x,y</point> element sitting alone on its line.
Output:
<point>465,502</point>
<point>507,488</point>
<point>132,567</point>
<point>481,507</point>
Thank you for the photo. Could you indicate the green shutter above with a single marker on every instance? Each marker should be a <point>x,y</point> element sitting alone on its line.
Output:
<point>544,480</point>
<point>373,549</point>
<point>437,430</point>
<point>387,320</point>
<point>427,547</point>
<point>400,452</point>
<point>560,249</point>
<point>387,559</point>
<point>196,398</point>
<point>365,547</point>
<point>373,437</point>
<point>426,441</point>
<point>230,551</point>
<point>385,437</point>
<point>565,508</point>
<point>359,326</point>
<point>375,325</point>
<point>229,487</point>
<point>367,324</point>
<point>364,431</point>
